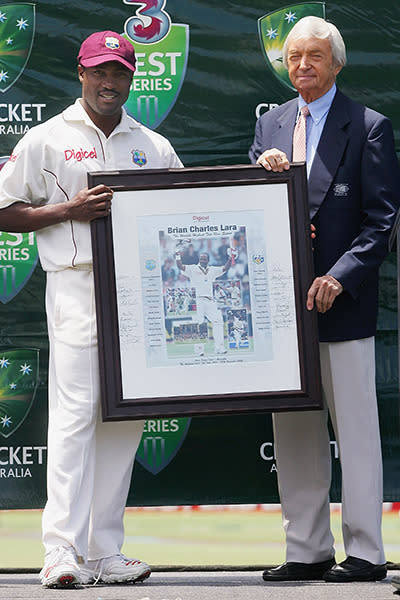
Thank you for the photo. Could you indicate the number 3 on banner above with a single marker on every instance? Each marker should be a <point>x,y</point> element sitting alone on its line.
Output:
<point>151,22</point>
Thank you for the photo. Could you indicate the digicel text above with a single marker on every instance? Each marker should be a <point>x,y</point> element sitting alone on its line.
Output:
<point>80,154</point>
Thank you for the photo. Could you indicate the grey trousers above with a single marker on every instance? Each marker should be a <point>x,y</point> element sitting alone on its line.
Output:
<point>304,460</point>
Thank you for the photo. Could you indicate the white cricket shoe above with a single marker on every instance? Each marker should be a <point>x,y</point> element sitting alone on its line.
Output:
<point>114,569</point>
<point>60,568</point>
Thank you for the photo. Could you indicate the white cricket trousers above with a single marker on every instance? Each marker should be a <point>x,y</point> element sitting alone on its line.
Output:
<point>304,460</point>
<point>89,462</point>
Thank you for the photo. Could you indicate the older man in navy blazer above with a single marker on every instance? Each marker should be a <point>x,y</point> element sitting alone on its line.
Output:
<point>353,188</point>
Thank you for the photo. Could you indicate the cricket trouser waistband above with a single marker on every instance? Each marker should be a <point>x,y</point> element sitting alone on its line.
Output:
<point>86,267</point>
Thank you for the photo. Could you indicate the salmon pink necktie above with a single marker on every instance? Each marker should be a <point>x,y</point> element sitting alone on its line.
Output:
<point>299,136</point>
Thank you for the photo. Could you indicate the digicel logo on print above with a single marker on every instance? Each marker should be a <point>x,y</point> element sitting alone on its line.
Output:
<point>79,154</point>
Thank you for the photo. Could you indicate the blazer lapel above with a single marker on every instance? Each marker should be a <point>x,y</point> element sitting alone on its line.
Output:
<point>331,147</point>
<point>282,137</point>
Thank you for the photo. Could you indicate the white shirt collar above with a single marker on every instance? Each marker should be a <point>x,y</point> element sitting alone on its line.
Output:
<point>76,112</point>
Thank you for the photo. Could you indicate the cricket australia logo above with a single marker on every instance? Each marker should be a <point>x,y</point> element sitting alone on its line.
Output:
<point>273,30</point>
<point>161,441</point>
<point>18,259</point>
<point>161,49</point>
<point>19,379</point>
<point>17,29</point>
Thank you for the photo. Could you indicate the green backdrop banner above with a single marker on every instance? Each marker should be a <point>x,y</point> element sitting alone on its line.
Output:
<point>205,72</point>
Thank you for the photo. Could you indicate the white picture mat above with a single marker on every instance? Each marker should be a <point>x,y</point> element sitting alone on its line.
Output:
<point>221,374</point>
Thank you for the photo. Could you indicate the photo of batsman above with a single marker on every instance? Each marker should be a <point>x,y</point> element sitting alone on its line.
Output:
<point>202,278</point>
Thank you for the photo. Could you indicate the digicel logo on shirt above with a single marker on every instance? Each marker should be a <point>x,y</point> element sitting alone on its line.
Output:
<point>80,154</point>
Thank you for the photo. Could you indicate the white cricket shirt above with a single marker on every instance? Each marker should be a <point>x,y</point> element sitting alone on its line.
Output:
<point>50,165</point>
<point>202,279</point>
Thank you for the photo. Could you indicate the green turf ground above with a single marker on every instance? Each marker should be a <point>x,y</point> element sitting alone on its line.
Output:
<point>178,349</point>
<point>231,537</point>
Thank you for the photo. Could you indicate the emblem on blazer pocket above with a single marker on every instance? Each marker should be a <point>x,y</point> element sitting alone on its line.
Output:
<point>341,189</point>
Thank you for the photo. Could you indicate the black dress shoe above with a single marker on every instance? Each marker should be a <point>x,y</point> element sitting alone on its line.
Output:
<point>396,582</point>
<point>355,569</point>
<point>297,571</point>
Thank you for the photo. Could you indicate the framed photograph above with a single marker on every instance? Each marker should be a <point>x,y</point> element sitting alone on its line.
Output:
<point>201,278</point>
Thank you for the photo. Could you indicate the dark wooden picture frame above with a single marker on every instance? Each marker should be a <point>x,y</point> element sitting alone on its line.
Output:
<point>177,189</point>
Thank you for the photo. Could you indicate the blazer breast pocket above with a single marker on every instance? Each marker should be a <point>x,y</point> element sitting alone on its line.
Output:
<point>341,195</point>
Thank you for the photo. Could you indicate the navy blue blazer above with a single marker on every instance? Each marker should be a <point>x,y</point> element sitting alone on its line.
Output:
<point>353,194</point>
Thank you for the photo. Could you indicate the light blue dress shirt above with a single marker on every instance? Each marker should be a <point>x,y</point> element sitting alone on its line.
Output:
<point>315,122</point>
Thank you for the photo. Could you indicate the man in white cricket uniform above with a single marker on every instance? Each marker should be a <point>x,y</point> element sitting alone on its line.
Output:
<point>235,294</point>
<point>170,303</point>
<point>220,295</point>
<point>43,188</point>
<point>238,330</point>
<point>201,277</point>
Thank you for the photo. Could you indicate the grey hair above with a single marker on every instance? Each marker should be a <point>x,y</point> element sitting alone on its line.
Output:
<point>315,27</point>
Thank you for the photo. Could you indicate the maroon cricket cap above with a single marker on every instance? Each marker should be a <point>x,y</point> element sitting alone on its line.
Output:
<point>106,46</point>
